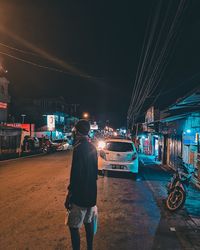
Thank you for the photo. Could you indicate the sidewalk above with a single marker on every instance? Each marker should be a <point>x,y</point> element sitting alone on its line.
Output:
<point>150,160</point>
<point>158,176</point>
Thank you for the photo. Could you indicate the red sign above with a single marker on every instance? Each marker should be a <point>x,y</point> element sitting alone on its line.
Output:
<point>26,126</point>
<point>3,105</point>
<point>14,125</point>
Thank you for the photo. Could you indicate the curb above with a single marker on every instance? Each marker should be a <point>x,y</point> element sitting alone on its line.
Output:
<point>22,157</point>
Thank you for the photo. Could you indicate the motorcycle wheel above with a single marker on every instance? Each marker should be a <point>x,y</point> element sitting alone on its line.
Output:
<point>175,199</point>
<point>45,149</point>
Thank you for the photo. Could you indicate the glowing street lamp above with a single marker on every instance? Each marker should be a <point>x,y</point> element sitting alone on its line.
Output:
<point>85,115</point>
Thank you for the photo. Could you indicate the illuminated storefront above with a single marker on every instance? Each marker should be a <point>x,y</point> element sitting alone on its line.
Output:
<point>183,131</point>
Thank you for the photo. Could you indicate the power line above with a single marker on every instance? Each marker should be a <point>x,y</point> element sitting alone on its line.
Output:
<point>34,64</point>
<point>152,80</point>
<point>146,54</point>
<point>49,68</point>
<point>19,50</point>
<point>31,53</point>
<point>70,69</point>
<point>155,51</point>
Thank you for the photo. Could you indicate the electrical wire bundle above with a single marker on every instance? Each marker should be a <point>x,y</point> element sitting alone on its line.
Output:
<point>161,33</point>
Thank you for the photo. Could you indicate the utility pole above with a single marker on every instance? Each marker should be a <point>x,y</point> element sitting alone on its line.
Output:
<point>136,133</point>
<point>23,117</point>
<point>75,106</point>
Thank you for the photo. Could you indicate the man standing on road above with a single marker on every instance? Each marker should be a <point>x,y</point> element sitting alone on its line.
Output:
<point>82,195</point>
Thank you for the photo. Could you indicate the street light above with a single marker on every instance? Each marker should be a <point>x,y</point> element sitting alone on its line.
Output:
<point>85,115</point>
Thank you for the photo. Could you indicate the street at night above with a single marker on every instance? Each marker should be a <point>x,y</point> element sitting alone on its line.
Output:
<point>132,214</point>
<point>99,125</point>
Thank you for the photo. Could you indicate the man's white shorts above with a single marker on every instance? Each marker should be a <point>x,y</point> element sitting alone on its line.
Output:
<point>79,215</point>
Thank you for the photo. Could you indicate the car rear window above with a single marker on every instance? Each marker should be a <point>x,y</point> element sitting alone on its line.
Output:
<point>119,146</point>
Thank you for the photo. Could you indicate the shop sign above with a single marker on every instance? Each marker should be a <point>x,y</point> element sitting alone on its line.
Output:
<point>26,126</point>
<point>94,126</point>
<point>51,122</point>
<point>14,125</point>
<point>149,115</point>
<point>3,105</point>
<point>195,122</point>
<point>189,139</point>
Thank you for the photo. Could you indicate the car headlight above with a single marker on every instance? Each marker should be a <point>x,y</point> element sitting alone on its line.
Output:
<point>101,144</point>
<point>115,134</point>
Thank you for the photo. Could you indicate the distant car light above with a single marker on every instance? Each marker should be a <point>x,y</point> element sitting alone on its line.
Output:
<point>101,144</point>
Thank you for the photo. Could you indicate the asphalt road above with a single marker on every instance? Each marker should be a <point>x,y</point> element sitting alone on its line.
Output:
<point>32,215</point>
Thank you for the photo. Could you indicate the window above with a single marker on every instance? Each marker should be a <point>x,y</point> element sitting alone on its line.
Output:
<point>119,146</point>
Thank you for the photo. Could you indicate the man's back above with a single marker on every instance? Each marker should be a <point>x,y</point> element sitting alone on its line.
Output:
<point>84,174</point>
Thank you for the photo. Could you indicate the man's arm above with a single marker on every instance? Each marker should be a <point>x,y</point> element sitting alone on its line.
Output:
<point>96,163</point>
<point>72,180</point>
<point>73,170</point>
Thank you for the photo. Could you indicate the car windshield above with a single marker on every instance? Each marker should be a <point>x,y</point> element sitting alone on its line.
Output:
<point>119,146</point>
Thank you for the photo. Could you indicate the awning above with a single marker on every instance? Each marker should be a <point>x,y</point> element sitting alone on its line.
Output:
<point>174,118</point>
<point>191,101</point>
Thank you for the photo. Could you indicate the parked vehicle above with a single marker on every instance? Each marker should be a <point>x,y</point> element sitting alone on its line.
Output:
<point>36,142</point>
<point>61,144</point>
<point>30,143</point>
<point>177,187</point>
<point>70,139</point>
<point>118,155</point>
<point>47,146</point>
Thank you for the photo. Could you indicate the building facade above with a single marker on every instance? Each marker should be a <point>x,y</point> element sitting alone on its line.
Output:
<point>4,99</point>
<point>42,111</point>
<point>176,132</point>
<point>182,128</point>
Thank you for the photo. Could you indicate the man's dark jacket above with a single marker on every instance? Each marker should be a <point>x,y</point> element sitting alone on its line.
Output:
<point>84,173</point>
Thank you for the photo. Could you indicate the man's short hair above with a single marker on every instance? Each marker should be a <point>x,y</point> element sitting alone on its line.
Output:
<point>83,127</point>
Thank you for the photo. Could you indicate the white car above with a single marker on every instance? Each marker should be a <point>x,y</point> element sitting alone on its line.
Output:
<point>61,144</point>
<point>118,155</point>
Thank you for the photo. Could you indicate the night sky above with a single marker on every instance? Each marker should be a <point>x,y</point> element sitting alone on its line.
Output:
<point>97,45</point>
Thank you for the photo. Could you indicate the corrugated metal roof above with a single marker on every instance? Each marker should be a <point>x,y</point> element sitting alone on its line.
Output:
<point>191,101</point>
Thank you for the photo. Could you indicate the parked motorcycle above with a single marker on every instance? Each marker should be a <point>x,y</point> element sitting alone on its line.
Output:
<point>48,147</point>
<point>177,187</point>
